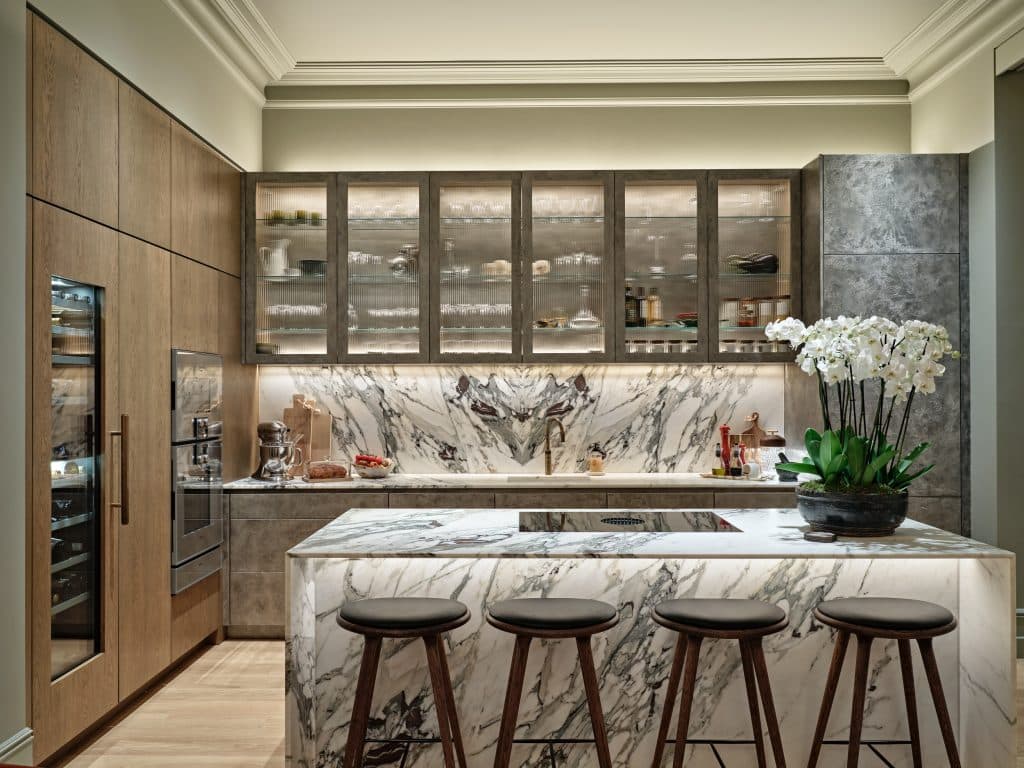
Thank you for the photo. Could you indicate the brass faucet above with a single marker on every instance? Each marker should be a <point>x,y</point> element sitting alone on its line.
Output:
<point>547,441</point>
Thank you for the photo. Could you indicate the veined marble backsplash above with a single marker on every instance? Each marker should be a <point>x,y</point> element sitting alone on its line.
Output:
<point>490,418</point>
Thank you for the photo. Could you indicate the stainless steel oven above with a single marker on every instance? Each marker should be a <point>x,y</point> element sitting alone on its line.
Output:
<point>197,523</point>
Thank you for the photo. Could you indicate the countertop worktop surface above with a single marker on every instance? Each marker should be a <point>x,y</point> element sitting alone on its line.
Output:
<point>494,533</point>
<point>645,480</point>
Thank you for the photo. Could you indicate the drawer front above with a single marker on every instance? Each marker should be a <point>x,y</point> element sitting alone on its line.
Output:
<point>259,546</point>
<point>542,499</point>
<point>442,499</point>
<point>324,505</point>
<point>755,499</point>
<point>257,599</point>
<point>661,499</point>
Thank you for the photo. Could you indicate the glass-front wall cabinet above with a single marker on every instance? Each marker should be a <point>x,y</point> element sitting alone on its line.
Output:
<point>293,272</point>
<point>75,587</point>
<point>384,237</point>
<point>662,286</point>
<point>567,270</point>
<point>755,263</point>
<point>476,267</point>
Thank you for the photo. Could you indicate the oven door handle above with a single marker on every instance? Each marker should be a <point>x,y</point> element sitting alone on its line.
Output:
<point>122,433</point>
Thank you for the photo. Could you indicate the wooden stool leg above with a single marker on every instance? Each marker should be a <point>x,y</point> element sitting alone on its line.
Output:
<point>586,654</point>
<point>513,693</point>
<point>768,702</point>
<point>838,656</point>
<point>938,698</point>
<point>686,702</point>
<point>453,714</point>
<point>860,689</point>
<point>671,691</point>
<point>440,700</point>
<point>755,713</point>
<point>907,668</point>
<point>363,701</point>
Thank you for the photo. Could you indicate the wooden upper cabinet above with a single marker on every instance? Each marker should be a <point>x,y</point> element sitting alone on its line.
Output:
<point>240,402</point>
<point>229,224</point>
<point>195,299</point>
<point>144,168</point>
<point>74,119</point>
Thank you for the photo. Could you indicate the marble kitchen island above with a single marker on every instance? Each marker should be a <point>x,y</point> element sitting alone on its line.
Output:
<point>481,556</point>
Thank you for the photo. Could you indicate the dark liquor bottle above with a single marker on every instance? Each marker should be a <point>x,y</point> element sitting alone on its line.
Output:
<point>632,316</point>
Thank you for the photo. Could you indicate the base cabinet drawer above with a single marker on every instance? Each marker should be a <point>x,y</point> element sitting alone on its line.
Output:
<point>442,499</point>
<point>755,499</point>
<point>540,499</point>
<point>324,505</point>
<point>660,499</point>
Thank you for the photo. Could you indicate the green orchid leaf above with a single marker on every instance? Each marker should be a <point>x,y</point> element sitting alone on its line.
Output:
<point>802,468</point>
<point>830,448</point>
<point>835,466</point>
<point>856,450</point>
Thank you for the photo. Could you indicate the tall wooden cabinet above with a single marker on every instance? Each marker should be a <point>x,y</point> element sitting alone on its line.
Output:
<point>144,168</point>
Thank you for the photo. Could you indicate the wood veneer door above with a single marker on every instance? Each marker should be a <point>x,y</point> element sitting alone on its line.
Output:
<point>229,223</point>
<point>144,551</point>
<point>195,296</point>
<point>80,250</point>
<point>144,168</point>
<point>74,127</point>
<point>240,402</point>
<point>195,197</point>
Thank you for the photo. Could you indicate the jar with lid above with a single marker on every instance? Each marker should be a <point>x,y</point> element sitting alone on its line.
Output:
<point>747,315</point>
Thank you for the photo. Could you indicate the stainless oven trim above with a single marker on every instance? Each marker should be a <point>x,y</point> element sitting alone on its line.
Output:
<point>188,545</point>
<point>195,570</point>
<point>179,432</point>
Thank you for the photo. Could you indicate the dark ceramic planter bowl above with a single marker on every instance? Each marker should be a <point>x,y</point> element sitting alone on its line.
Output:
<point>852,514</point>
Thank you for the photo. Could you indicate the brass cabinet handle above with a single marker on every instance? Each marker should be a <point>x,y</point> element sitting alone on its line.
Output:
<point>123,434</point>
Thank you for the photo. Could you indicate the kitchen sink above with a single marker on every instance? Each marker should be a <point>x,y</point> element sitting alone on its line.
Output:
<point>624,521</point>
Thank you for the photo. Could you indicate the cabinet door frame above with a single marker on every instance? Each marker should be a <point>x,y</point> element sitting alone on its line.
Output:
<point>606,179</point>
<point>793,176</point>
<point>249,269</point>
<point>700,178</point>
<point>469,178</point>
<point>65,707</point>
<point>422,181</point>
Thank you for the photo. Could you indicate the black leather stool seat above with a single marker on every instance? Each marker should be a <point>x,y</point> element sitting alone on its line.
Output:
<point>720,613</point>
<point>887,613</point>
<point>552,612</point>
<point>402,612</point>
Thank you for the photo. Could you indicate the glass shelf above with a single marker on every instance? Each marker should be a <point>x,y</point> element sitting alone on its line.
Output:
<point>70,522</point>
<point>673,330</point>
<point>383,279</point>
<point>70,562</point>
<point>293,331</point>
<point>476,280</point>
<point>633,276</point>
<point>70,603</point>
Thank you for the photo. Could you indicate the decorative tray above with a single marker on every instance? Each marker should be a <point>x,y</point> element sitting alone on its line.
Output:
<point>741,478</point>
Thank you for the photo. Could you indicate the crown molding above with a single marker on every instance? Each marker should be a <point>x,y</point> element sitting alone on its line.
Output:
<point>564,72</point>
<point>596,102</point>
<point>255,32</point>
<point>951,35</point>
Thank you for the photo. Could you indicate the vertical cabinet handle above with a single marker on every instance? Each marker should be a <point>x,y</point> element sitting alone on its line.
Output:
<point>125,453</point>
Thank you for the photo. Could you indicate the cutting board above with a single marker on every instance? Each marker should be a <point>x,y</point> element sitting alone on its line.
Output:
<point>312,425</point>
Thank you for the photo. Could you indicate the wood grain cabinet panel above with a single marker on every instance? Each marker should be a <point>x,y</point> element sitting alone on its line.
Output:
<point>544,499</point>
<point>145,542</point>
<point>74,122</point>
<point>195,193</point>
<point>144,168</point>
<point>240,410</point>
<point>229,222</point>
<point>453,499</point>
<point>755,499</point>
<point>696,499</point>
<point>195,615</point>
<point>195,312</point>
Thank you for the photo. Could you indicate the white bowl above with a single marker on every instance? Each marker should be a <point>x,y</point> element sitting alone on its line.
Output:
<point>373,473</point>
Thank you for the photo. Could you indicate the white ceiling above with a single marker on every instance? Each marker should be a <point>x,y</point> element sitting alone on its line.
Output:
<point>530,30</point>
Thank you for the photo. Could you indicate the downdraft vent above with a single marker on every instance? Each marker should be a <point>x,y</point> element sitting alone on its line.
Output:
<point>622,521</point>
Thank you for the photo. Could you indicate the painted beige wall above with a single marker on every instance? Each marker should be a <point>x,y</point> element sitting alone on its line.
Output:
<point>957,115</point>
<point>151,46</point>
<point>13,715</point>
<point>576,138</point>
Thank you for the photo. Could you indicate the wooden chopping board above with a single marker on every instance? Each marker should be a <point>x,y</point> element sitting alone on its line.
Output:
<point>312,425</point>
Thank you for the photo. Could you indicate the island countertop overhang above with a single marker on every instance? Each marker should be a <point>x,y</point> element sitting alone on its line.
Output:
<point>494,533</point>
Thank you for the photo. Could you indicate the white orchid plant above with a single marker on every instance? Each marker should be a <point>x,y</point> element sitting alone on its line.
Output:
<point>866,368</point>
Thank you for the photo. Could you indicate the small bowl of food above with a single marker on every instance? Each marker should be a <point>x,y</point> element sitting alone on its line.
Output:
<point>371,467</point>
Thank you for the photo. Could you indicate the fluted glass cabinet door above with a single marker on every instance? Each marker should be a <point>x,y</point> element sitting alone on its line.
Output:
<point>292,272</point>
<point>476,267</point>
<point>568,266</point>
<point>755,262</point>
<point>661,287</point>
<point>384,273</point>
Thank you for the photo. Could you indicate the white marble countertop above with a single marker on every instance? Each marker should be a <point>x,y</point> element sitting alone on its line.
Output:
<point>494,533</point>
<point>520,481</point>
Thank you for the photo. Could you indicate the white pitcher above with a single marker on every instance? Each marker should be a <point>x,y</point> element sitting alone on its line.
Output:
<point>274,260</point>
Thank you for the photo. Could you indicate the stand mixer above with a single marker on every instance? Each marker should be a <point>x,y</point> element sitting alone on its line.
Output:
<point>278,453</point>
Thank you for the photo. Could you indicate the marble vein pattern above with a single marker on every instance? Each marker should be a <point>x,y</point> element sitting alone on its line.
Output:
<point>426,555</point>
<point>662,418</point>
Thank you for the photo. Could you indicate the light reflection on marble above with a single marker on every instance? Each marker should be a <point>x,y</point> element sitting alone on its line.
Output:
<point>424,552</point>
<point>661,418</point>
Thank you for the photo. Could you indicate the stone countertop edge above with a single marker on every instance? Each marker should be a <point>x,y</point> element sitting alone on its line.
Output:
<point>494,533</point>
<point>611,480</point>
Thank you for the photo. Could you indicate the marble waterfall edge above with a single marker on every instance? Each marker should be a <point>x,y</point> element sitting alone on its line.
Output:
<point>659,418</point>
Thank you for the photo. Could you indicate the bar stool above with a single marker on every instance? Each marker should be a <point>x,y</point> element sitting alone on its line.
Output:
<point>404,617</point>
<point>697,619</point>
<point>551,618</point>
<point>887,618</point>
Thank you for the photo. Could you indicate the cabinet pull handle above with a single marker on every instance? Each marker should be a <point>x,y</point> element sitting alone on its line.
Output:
<point>125,453</point>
